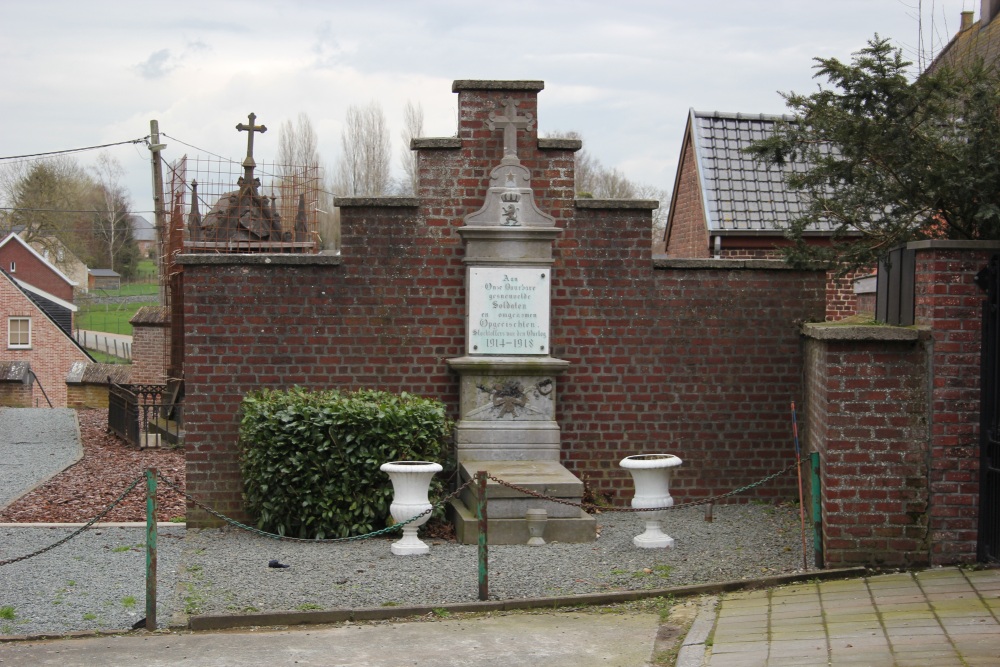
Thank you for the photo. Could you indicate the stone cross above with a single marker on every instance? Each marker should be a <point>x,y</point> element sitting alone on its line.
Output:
<point>510,122</point>
<point>248,163</point>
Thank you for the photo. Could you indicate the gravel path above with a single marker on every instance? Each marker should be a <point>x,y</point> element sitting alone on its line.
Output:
<point>41,441</point>
<point>96,581</point>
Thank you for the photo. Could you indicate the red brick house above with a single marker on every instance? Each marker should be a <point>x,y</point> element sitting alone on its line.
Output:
<point>726,205</point>
<point>48,287</point>
<point>31,334</point>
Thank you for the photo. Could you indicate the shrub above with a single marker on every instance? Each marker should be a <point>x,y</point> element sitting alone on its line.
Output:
<point>310,459</point>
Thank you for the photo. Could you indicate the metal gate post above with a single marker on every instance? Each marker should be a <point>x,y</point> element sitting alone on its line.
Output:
<point>481,515</point>
<point>817,509</point>
<point>151,549</point>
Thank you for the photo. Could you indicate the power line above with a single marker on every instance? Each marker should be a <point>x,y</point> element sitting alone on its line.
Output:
<point>74,150</point>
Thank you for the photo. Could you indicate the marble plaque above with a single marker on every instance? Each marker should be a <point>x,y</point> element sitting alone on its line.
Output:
<point>509,310</point>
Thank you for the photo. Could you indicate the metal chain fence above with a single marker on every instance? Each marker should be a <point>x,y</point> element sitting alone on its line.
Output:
<point>593,507</point>
<point>590,507</point>
<point>85,526</point>
<point>332,540</point>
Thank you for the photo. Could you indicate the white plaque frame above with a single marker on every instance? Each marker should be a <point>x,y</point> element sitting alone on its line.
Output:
<point>508,310</point>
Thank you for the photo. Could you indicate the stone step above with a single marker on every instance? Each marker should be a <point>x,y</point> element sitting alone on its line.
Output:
<point>579,529</point>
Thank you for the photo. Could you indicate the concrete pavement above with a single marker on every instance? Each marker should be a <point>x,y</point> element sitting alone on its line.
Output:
<point>939,618</point>
<point>554,639</point>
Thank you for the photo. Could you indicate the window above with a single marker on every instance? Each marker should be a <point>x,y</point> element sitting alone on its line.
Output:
<point>19,332</point>
<point>13,268</point>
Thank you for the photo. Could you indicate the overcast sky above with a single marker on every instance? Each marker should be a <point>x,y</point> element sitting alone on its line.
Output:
<point>623,74</point>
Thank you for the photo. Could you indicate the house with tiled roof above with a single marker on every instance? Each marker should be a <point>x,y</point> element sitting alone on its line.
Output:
<point>42,281</point>
<point>974,40</point>
<point>727,205</point>
<point>29,334</point>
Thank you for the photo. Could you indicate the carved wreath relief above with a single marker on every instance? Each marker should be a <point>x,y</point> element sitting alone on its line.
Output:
<point>510,398</point>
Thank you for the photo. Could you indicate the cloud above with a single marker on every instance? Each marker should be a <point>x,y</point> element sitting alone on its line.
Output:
<point>157,66</point>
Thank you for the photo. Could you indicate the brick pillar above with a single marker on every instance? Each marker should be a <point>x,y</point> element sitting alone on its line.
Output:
<point>948,302</point>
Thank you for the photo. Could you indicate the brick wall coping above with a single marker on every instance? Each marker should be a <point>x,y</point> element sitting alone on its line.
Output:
<point>435,142</point>
<point>565,144</point>
<point>479,84</point>
<point>629,204</point>
<point>15,371</point>
<point>84,372</point>
<point>321,259</point>
<point>664,262</point>
<point>835,331</point>
<point>953,245</point>
<point>156,316</point>
<point>376,202</point>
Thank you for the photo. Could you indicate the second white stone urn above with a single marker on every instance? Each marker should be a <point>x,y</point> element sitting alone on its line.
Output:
<point>411,481</point>
<point>651,476</point>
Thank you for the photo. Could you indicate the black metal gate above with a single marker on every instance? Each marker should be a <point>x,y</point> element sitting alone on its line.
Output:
<point>988,548</point>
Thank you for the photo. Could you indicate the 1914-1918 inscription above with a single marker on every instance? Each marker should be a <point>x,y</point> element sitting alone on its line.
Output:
<point>509,311</point>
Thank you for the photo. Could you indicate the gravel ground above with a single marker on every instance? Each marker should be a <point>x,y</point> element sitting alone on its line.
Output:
<point>96,581</point>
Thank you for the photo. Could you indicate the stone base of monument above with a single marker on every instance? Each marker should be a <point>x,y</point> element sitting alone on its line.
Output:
<point>507,508</point>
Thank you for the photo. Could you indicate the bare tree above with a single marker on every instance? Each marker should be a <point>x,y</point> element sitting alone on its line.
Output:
<point>595,180</point>
<point>297,147</point>
<point>367,151</point>
<point>113,231</point>
<point>301,175</point>
<point>413,127</point>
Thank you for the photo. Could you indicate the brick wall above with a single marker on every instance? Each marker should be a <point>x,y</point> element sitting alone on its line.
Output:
<point>52,353</point>
<point>866,416</point>
<point>86,396</point>
<point>949,303</point>
<point>694,358</point>
<point>897,423</point>
<point>16,394</point>
<point>150,345</point>
<point>688,234</point>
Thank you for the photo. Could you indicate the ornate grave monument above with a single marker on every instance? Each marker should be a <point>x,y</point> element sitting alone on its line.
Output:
<point>244,220</point>
<point>508,389</point>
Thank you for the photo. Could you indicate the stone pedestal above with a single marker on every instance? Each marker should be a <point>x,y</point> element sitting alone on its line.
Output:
<point>507,425</point>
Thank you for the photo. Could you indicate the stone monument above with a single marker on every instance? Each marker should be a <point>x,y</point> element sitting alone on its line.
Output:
<point>508,389</point>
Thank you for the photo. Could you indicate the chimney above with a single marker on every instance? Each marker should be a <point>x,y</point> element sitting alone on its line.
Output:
<point>987,11</point>
<point>966,21</point>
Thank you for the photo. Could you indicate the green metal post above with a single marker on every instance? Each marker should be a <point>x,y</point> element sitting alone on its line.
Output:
<point>817,510</point>
<point>151,548</point>
<point>481,515</point>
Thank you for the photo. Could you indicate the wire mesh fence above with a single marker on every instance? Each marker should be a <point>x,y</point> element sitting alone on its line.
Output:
<point>213,211</point>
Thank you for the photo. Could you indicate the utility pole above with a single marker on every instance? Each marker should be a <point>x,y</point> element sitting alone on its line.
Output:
<point>159,222</point>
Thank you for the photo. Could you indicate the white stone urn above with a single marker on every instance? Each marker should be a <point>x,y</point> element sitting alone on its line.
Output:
<point>651,476</point>
<point>411,481</point>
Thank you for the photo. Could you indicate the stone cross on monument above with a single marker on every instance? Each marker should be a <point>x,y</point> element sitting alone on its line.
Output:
<point>510,122</point>
<point>248,163</point>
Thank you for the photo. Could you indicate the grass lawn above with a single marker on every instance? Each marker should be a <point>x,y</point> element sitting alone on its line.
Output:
<point>110,318</point>
<point>102,358</point>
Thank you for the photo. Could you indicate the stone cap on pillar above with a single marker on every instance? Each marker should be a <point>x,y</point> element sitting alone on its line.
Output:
<point>494,84</point>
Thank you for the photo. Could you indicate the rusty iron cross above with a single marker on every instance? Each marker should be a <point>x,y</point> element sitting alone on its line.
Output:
<point>510,122</point>
<point>248,163</point>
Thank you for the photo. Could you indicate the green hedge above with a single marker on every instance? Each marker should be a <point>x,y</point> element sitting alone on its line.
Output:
<point>310,459</point>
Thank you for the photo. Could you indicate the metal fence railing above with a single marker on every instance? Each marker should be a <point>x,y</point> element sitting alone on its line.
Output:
<point>145,415</point>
